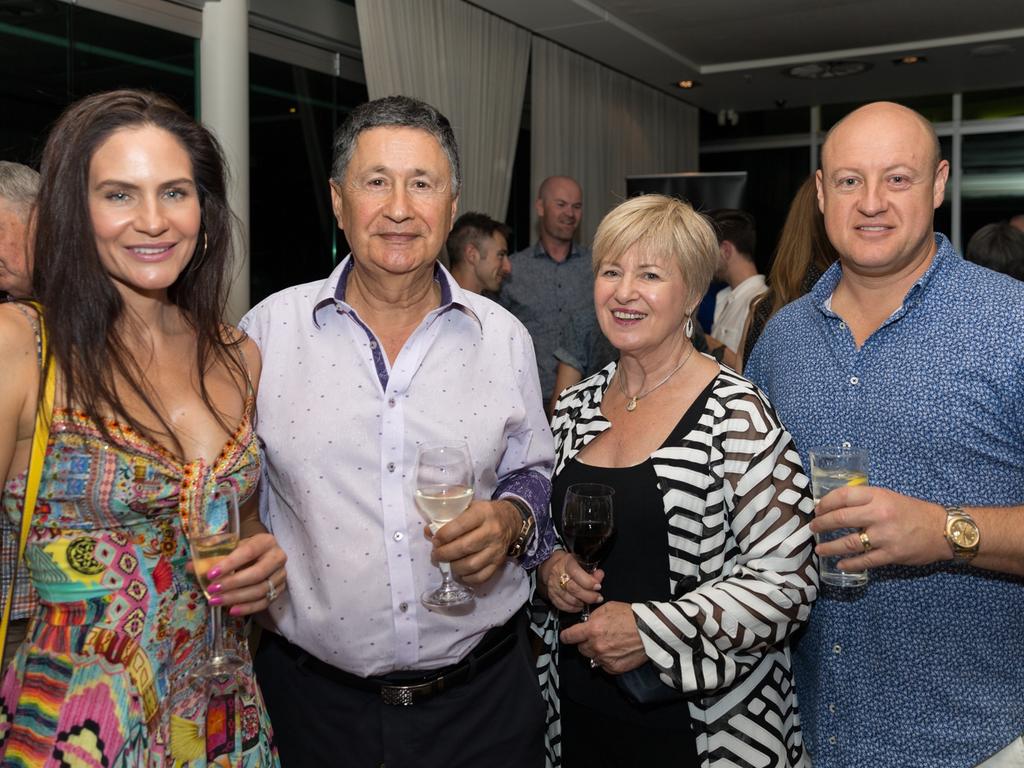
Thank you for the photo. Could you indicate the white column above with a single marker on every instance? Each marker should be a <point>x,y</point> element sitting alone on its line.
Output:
<point>224,85</point>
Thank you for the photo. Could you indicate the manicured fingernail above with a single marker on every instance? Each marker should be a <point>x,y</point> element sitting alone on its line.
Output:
<point>216,600</point>
<point>213,574</point>
<point>216,587</point>
<point>600,598</point>
<point>236,611</point>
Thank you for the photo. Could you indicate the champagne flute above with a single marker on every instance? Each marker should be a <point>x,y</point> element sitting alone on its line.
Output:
<point>444,489</point>
<point>587,524</point>
<point>213,535</point>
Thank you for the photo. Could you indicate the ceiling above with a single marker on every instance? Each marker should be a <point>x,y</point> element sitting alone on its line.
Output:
<point>739,50</point>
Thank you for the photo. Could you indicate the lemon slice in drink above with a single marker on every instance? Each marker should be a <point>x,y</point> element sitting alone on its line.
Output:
<point>858,480</point>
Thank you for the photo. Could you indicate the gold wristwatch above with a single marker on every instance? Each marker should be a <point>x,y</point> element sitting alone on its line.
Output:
<point>518,545</point>
<point>962,534</point>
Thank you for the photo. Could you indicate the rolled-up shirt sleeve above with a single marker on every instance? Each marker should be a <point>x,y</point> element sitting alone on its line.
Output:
<point>525,468</point>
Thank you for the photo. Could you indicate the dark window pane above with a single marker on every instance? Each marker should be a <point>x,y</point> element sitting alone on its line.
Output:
<point>938,108</point>
<point>992,105</point>
<point>33,78</point>
<point>992,188</point>
<point>110,53</point>
<point>773,177</point>
<point>771,122</point>
<point>293,114</point>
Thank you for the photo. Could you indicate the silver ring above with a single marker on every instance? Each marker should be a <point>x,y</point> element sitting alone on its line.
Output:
<point>271,591</point>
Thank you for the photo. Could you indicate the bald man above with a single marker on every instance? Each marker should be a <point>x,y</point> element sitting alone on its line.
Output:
<point>919,667</point>
<point>552,281</point>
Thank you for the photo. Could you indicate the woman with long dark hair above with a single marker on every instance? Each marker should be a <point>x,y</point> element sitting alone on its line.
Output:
<point>803,254</point>
<point>152,414</point>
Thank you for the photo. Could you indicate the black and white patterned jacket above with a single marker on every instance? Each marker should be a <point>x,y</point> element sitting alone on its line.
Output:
<point>740,557</point>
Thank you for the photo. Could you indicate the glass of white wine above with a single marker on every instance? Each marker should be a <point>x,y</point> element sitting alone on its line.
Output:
<point>444,489</point>
<point>213,535</point>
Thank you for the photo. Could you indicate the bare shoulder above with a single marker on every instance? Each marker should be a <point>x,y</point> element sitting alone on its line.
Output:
<point>250,353</point>
<point>18,332</point>
<point>253,360</point>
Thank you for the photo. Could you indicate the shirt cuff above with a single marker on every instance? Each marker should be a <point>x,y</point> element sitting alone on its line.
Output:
<point>533,489</point>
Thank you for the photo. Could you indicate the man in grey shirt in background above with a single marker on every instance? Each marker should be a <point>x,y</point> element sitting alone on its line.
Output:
<point>552,280</point>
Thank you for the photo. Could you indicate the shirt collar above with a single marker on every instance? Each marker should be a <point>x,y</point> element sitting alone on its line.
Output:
<point>821,293</point>
<point>332,293</point>
<point>539,252</point>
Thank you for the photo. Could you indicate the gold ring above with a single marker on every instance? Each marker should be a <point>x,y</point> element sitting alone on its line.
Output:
<point>865,540</point>
<point>271,591</point>
<point>563,580</point>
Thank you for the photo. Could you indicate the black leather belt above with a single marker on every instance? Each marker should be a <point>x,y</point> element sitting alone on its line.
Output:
<point>403,689</point>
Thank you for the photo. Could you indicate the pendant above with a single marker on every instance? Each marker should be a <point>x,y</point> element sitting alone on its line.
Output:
<point>631,405</point>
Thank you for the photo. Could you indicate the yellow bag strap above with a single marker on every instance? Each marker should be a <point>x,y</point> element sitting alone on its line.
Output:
<point>40,439</point>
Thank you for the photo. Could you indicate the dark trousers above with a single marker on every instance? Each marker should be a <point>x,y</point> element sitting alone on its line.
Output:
<point>591,739</point>
<point>495,720</point>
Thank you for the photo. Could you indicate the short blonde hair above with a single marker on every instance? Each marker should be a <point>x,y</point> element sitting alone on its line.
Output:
<point>661,226</point>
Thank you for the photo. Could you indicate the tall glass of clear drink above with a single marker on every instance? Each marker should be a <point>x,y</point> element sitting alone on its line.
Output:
<point>833,467</point>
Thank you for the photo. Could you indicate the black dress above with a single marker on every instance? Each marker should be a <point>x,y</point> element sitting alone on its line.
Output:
<point>600,725</point>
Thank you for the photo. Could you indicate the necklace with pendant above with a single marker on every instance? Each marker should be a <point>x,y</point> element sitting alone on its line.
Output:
<point>632,401</point>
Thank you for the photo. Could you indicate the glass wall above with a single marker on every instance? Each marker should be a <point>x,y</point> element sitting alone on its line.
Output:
<point>53,53</point>
<point>986,185</point>
<point>992,188</point>
<point>293,115</point>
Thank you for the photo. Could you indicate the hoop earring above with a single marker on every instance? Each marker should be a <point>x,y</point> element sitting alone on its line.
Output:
<point>688,328</point>
<point>196,261</point>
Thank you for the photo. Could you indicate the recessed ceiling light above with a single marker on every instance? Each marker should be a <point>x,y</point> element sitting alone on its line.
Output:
<point>826,70</point>
<point>687,84</point>
<point>909,59</point>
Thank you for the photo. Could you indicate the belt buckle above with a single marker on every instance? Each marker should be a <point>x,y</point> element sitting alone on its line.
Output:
<point>397,695</point>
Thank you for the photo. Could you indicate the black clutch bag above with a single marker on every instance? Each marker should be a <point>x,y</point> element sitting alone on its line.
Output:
<point>643,686</point>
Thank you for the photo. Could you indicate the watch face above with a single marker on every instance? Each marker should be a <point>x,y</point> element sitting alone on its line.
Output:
<point>964,533</point>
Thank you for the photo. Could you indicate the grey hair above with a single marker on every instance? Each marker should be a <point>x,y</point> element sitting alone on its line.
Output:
<point>395,112</point>
<point>19,185</point>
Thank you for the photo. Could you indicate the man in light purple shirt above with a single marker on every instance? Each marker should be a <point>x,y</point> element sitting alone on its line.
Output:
<point>386,354</point>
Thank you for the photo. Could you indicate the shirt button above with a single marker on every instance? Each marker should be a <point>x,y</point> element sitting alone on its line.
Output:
<point>403,607</point>
<point>847,444</point>
<point>832,740</point>
<point>842,325</point>
<point>832,708</point>
<point>391,466</point>
<point>398,536</point>
<point>391,402</point>
<point>854,380</point>
<point>373,344</point>
<point>837,649</point>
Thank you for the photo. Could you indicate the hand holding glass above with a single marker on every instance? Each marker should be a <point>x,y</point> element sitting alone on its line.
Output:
<point>831,468</point>
<point>587,524</point>
<point>213,535</point>
<point>444,489</point>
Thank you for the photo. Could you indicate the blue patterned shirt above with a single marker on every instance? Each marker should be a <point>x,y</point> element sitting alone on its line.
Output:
<point>922,666</point>
<point>545,294</point>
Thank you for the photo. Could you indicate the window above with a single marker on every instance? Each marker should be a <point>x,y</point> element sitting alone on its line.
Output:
<point>293,113</point>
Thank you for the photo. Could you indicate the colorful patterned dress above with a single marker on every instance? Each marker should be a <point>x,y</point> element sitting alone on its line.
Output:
<point>103,677</point>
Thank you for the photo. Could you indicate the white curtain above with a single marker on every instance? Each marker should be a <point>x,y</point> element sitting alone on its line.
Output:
<point>598,126</point>
<point>470,65</point>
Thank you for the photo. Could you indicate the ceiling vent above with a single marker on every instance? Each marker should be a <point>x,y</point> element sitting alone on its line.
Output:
<point>827,70</point>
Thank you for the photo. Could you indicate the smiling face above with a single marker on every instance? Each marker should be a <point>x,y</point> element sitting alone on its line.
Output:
<point>878,189</point>
<point>642,301</point>
<point>144,208</point>
<point>560,208</point>
<point>395,203</point>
